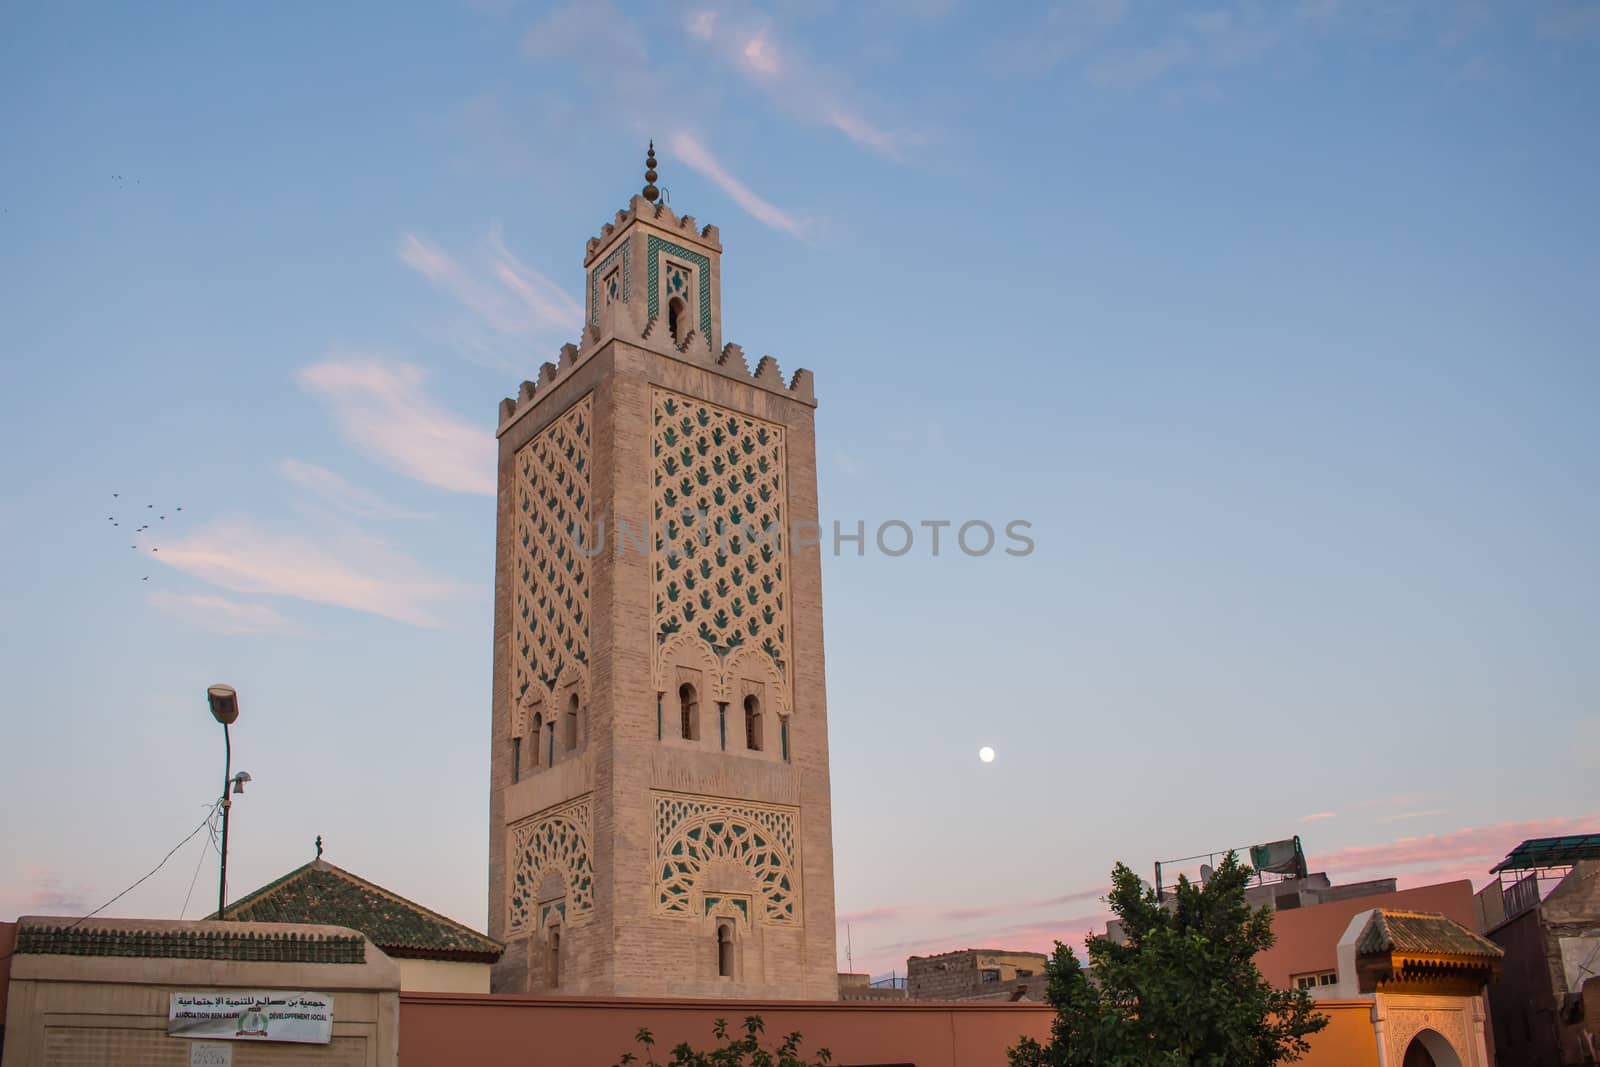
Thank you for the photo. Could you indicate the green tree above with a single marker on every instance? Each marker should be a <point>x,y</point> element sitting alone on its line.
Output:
<point>743,1051</point>
<point>1181,991</point>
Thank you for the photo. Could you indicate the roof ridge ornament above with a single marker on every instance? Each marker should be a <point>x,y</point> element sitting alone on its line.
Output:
<point>650,191</point>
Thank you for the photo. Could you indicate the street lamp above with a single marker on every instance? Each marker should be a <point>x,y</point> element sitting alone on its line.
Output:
<point>224,703</point>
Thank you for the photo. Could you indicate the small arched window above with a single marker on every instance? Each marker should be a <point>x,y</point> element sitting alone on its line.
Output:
<point>752,724</point>
<point>725,950</point>
<point>783,733</point>
<point>537,737</point>
<point>570,740</point>
<point>555,957</point>
<point>550,742</point>
<point>516,760</point>
<point>688,712</point>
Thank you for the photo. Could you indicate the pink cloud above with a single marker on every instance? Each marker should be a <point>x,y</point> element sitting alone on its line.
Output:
<point>217,613</point>
<point>35,889</point>
<point>382,408</point>
<point>348,569</point>
<point>811,92</point>
<point>1472,848</point>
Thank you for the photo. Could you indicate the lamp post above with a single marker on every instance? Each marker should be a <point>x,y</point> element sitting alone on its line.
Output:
<point>224,703</point>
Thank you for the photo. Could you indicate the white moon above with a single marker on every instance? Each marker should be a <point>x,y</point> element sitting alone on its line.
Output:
<point>986,754</point>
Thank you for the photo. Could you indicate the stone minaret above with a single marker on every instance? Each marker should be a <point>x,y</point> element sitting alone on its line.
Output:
<point>659,817</point>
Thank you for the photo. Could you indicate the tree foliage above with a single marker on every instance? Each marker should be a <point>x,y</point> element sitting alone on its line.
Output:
<point>745,1051</point>
<point>1181,990</point>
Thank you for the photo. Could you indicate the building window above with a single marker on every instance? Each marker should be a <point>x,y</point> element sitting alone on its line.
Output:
<point>537,737</point>
<point>516,760</point>
<point>658,716</point>
<point>555,957</point>
<point>571,739</point>
<point>752,724</point>
<point>688,713</point>
<point>783,734</point>
<point>550,743</point>
<point>612,287</point>
<point>1313,981</point>
<point>991,974</point>
<point>725,950</point>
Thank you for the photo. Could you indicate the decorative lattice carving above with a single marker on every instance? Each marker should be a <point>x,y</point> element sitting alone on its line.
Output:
<point>693,833</point>
<point>720,546</point>
<point>654,246</point>
<point>1446,1016</point>
<point>550,515</point>
<point>553,842</point>
<point>597,298</point>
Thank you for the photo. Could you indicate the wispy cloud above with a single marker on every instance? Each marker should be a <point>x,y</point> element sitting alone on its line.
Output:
<point>1401,816</point>
<point>1118,47</point>
<point>337,491</point>
<point>348,569</point>
<point>383,409</point>
<point>914,929</point>
<point>694,153</point>
<point>501,295</point>
<point>1319,815</point>
<point>1478,847</point>
<point>1136,67</point>
<point>36,889</point>
<point>217,613</point>
<point>810,91</point>
<point>1570,20</point>
<point>1070,28</point>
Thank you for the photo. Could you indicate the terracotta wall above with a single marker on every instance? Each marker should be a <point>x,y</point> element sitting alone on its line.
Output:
<point>438,1030</point>
<point>1308,938</point>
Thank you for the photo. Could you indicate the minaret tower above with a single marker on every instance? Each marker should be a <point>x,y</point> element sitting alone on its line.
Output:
<point>660,821</point>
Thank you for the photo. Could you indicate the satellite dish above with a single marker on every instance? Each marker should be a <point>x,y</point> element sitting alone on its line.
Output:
<point>1205,873</point>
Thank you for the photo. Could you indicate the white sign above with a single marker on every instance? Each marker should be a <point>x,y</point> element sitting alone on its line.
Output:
<point>252,1015</point>
<point>210,1054</point>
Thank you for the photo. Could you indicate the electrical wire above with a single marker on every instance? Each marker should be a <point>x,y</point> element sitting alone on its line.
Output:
<point>211,834</point>
<point>215,807</point>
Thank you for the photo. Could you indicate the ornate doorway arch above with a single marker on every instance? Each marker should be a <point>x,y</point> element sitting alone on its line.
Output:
<point>1431,1049</point>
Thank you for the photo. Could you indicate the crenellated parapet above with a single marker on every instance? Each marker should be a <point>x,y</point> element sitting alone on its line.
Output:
<point>730,363</point>
<point>659,216</point>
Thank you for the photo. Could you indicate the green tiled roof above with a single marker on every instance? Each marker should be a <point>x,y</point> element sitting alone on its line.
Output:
<point>1421,933</point>
<point>319,892</point>
<point>198,944</point>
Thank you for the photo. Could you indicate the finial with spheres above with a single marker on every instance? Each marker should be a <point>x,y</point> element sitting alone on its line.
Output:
<point>650,190</point>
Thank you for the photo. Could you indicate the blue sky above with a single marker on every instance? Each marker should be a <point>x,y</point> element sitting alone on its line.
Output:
<point>1277,321</point>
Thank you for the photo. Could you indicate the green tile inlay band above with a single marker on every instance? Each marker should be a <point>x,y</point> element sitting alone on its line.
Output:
<point>655,245</point>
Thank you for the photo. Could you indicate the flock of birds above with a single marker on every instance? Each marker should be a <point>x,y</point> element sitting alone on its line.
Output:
<point>138,530</point>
